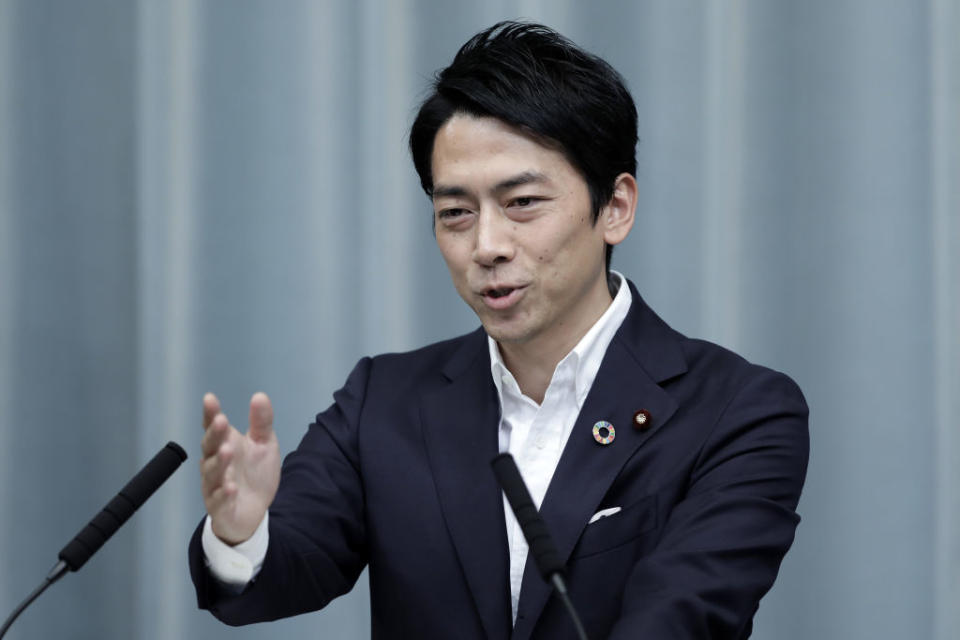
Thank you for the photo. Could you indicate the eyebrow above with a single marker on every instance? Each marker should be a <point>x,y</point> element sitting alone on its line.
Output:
<point>527,177</point>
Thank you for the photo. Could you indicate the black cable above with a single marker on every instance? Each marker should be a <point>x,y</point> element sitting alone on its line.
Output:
<point>561,589</point>
<point>55,574</point>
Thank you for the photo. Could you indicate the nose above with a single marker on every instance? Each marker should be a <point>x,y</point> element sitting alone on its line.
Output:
<point>494,241</point>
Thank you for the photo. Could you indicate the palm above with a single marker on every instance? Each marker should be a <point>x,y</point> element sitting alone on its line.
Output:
<point>241,472</point>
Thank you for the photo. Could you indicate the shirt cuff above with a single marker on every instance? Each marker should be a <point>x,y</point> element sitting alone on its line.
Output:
<point>239,564</point>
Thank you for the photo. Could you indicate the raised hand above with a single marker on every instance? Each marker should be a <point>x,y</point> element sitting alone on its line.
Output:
<point>240,472</point>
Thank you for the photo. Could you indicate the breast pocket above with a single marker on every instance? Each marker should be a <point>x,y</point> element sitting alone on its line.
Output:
<point>618,529</point>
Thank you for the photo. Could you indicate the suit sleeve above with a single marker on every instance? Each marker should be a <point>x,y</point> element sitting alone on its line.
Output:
<point>317,546</point>
<point>721,545</point>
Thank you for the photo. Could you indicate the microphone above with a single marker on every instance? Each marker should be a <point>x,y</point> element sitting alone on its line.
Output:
<point>535,530</point>
<point>533,527</point>
<point>111,517</point>
<point>105,524</point>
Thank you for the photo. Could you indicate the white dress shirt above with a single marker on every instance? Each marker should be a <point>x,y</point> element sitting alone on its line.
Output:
<point>534,434</point>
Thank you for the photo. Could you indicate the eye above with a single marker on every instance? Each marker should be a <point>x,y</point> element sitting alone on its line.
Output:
<point>524,201</point>
<point>454,217</point>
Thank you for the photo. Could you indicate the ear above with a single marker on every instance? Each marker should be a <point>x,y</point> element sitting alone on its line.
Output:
<point>617,215</point>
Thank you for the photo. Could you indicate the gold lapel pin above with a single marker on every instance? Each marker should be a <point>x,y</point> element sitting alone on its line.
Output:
<point>642,420</point>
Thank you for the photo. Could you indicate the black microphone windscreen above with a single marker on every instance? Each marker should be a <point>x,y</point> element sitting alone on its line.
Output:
<point>122,506</point>
<point>531,523</point>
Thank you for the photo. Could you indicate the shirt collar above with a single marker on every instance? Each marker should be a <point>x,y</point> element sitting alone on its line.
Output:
<point>587,355</point>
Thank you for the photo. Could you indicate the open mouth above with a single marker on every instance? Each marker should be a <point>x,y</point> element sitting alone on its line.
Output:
<point>502,298</point>
<point>499,293</point>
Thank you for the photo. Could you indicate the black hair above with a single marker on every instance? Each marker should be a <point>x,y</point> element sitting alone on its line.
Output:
<point>531,77</point>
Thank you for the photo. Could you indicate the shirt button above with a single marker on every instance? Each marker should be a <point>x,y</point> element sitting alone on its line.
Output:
<point>540,442</point>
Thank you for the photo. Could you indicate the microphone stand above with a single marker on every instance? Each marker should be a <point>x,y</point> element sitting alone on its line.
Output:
<point>561,588</point>
<point>55,574</point>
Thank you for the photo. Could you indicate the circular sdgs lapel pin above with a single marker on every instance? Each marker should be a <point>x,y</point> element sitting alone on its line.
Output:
<point>603,432</point>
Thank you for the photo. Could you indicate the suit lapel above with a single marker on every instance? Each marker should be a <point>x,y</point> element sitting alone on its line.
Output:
<point>460,422</point>
<point>586,469</point>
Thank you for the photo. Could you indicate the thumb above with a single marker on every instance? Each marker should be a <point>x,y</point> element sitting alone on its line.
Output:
<point>261,417</point>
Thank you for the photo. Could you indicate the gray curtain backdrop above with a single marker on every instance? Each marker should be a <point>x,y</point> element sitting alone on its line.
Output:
<point>217,196</point>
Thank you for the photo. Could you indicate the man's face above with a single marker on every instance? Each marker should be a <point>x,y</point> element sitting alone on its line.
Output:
<point>514,224</point>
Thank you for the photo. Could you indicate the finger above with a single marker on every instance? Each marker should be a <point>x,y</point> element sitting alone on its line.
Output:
<point>211,407</point>
<point>215,435</point>
<point>261,418</point>
<point>213,469</point>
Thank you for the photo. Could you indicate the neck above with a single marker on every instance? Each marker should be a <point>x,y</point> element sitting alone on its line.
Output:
<point>532,362</point>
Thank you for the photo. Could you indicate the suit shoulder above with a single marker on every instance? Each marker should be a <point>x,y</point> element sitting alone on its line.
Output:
<point>719,367</point>
<point>431,358</point>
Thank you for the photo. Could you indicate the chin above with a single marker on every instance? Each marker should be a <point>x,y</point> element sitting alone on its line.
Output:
<point>517,327</point>
<point>507,334</point>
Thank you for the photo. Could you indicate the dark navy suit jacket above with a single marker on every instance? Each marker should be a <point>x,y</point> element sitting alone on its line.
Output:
<point>396,476</point>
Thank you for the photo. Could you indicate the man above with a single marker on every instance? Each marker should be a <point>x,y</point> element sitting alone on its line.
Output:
<point>667,469</point>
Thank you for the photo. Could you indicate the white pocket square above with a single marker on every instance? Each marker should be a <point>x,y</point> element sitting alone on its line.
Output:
<point>603,513</point>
